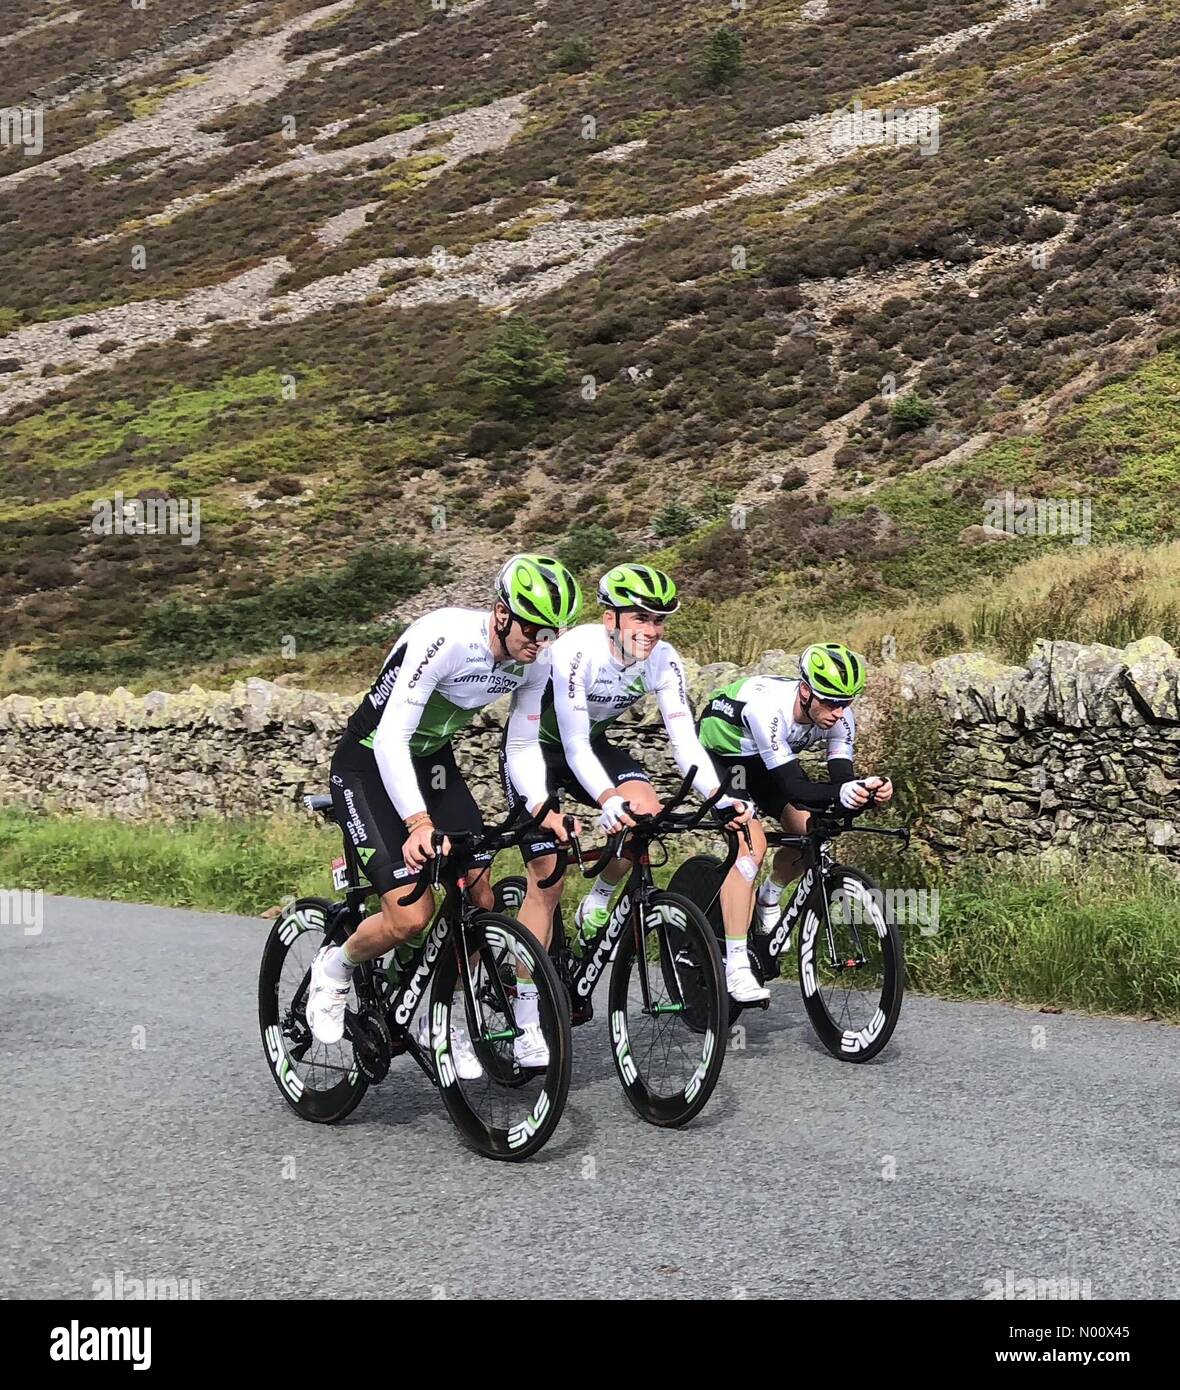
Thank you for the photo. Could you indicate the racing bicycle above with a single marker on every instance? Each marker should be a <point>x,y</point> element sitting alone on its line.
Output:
<point>468,959</point>
<point>667,996</point>
<point>851,957</point>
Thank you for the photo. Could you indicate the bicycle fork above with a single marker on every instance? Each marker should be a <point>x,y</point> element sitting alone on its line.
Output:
<point>671,973</point>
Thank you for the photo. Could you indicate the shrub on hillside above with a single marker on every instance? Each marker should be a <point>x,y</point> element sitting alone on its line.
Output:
<point>723,58</point>
<point>588,547</point>
<point>574,54</point>
<point>518,372</point>
<point>910,412</point>
<point>674,519</point>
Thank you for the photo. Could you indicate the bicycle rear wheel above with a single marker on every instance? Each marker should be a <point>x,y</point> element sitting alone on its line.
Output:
<point>508,1112</point>
<point>668,1056</point>
<point>319,1082</point>
<point>854,997</point>
<point>699,880</point>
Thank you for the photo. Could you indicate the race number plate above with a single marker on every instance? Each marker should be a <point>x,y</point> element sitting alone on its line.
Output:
<point>339,875</point>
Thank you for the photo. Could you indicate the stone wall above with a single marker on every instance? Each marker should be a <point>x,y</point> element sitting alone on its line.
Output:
<point>1076,752</point>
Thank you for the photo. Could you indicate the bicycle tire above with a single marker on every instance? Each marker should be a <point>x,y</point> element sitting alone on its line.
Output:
<point>699,879</point>
<point>685,929</point>
<point>285,1038</point>
<point>851,1044</point>
<point>526,1130</point>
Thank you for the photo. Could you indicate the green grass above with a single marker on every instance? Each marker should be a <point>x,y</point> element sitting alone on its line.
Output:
<point>1103,938</point>
<point>242,866</point>
<point>1106,939</point>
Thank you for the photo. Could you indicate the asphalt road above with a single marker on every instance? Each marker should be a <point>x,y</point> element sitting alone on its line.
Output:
<point>144,1137</point>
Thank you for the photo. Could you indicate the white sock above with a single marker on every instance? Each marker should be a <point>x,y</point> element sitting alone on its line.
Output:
<point>768,896</point>
<point>735,952</point>
<point>526,1003</point>
<point>337,966</point>
<point>600,895</point>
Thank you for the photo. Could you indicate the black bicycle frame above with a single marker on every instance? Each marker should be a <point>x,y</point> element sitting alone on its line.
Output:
<point>455,910</point>
<point>634,900</point>
<point>817,859</point>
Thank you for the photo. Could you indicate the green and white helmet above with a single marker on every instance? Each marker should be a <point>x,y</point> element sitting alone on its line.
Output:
<point>539,589</point>
<point>638,586</point>
<point>833,671</point>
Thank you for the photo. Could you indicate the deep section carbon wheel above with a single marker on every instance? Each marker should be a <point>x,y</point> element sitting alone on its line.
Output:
<point>668,1044</point>
<point>508,1111</point>
<point>699,880</point>
<point>852,995</point>
<point>319,1082</point>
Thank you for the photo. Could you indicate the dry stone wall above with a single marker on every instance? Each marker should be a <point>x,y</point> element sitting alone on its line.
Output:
<point>1076,752</point>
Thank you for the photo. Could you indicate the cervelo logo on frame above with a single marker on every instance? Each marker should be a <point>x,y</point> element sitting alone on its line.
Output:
<point>603,951</point>
<point>791,914</point>
<point>422,974</point>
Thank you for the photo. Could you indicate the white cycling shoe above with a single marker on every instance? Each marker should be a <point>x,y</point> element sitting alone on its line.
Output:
<point>742,986</point>
<point>467,1066</point>
<point>326,1002</point>
<point>531,1049</point>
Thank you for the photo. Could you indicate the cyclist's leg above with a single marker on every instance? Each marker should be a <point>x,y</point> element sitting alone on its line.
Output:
<point>377,832</point>
<point>785,867</point>
<point>737,892</point>
<point>372,825</point>
<point>634,786</point>
<point>452,807</point>
<point>539,853</point>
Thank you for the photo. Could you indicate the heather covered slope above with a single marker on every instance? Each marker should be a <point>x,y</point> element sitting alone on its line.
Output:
<point>392,289</point>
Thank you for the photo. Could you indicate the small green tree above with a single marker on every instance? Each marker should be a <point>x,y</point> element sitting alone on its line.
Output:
<point>673,520</point>
<point>574,55</point>
<point>588,546</point>
<point>723,58</point>
<point>518,371</point>
<point>910,412</point>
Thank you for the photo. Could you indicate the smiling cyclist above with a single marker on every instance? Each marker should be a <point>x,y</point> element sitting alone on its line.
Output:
<point>760,724</point>
<point>394,775</point>
<point>599,670</point>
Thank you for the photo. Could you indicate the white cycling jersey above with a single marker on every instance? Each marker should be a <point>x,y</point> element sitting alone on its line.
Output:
<point>756,715</point>
<point>433,683</point>
<point>591,687</point>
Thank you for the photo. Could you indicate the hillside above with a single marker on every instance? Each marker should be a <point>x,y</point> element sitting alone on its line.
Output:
<point>392,290</point>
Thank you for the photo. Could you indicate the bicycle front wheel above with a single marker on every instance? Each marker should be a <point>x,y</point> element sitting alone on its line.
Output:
<point>852,994</point>
<point>668,1037</point>
<point>508,1111</point>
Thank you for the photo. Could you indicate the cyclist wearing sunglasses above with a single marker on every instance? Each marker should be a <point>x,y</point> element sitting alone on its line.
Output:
<point>598,671</point>
<point>394,775</point>
<point>762,723</point>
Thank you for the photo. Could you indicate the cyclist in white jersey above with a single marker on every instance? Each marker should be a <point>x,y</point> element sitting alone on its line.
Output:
<point>598,671</point>
<point>760,724</point>
<point>394,776</point>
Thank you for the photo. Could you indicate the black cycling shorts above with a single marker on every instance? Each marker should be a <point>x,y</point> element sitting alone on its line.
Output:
<point>618,763</point>
<point>753,781</point>
<point>370,820</point>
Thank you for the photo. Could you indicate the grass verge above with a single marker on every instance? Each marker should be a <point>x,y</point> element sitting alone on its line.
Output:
<point>1101,938</point>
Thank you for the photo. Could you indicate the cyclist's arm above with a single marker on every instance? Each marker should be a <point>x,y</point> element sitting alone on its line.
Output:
<point>416,680</point>
<point>687,749</point>
<point>522,748</point>
<point>841,737</point>
<point>573,719</point>
<point>786,772</point>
